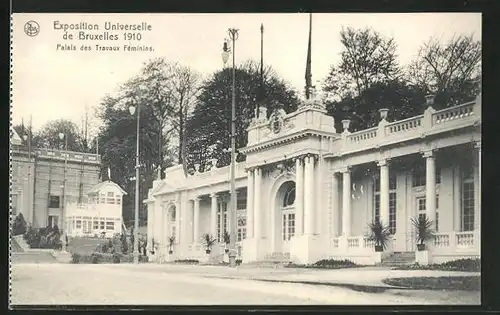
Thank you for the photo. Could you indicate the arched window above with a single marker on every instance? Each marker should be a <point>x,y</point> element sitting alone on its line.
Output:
<point>172,214</point>
<point>288,213</point>
<point>289,198</point>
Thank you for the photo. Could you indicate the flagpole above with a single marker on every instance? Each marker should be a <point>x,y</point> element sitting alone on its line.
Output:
<point>308,62</point>
<point>261,90</point>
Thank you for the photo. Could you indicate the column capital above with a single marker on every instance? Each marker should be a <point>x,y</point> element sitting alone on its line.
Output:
<point>383,162</point>
<point>214,195</point>
<point>428,154</point>
<point>345,169</point>
<point>477,145</point>
<point>196,199</point>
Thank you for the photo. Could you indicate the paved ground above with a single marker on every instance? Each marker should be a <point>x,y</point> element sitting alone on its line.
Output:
<point>32,257</point>
<point>189,285</point>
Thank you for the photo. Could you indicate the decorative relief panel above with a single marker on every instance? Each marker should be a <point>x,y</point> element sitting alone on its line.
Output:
<point>276,169</point>
<point>277,123</point>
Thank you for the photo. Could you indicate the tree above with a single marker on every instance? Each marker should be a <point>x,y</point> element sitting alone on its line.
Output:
<point>48,135</point>
<point>117,144</point>
<point>170,89</point>
<point>19,226</point>
<point>365,79</point>
<point>209,127</point>
<point>402,100</point>
<point>367,58</point>
<point>450,70</point>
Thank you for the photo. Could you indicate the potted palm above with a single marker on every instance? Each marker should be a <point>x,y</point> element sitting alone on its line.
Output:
<point>379,234</point>
<point>171,243</point>
<point>424,231</point>
<point>153,246</point>
<point>227,240</point>
<point>209,242</point>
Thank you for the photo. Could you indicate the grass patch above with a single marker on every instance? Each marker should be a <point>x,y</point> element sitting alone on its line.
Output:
<point>326,264</point>
<point>470,265</point>
<point>472,283</point>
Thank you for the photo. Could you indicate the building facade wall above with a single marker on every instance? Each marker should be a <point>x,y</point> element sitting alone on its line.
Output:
<point>46,172</point>
<point>336,202</point>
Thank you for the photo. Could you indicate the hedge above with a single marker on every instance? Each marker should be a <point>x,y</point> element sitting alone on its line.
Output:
<point>102,258</point>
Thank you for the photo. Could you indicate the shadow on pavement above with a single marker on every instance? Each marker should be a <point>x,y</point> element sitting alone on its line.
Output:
<point>353,287</point>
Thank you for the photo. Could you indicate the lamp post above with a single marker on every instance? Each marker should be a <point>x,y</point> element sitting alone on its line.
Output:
<point>233,36</point>
<point>132,110</point>
<point>63,217</point>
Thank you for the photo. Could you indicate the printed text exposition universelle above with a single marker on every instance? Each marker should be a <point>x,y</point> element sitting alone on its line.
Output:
<point>131,32</point>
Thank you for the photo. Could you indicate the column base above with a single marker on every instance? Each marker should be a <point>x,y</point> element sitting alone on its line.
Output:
<point>308,249</point>
<point>252,250</point>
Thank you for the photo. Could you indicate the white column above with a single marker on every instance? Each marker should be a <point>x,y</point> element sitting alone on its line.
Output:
<point>177,222</point>
<point>161,223</point>
<point>185,218</point>
<point>308,195</point>
<point>346,202</point>
<point>299,196</point>
<point>196,221</point>
<point>335,206</point>
<point>250,207</point>
<point>430,186</point>
<point>213,214</point>
<point>384,192</point>
<point>257,205</point>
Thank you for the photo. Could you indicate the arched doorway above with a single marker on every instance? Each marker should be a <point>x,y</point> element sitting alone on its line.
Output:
<point>284,217</point>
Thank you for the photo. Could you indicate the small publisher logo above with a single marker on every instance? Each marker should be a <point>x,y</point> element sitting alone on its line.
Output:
<point>31,28</point>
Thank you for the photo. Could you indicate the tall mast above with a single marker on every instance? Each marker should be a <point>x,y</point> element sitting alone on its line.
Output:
<point>261,88</point>
<point>308,62</point>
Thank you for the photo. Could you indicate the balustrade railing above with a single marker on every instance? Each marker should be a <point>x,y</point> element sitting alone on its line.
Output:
<point>442,240</point>
<point>335,243</point>
<point>404,125</point>
<point>453,113</point>
<point>362,135</point>
<point>368,243</point>
<point>411,127</point>
<point>353,242</point>
<point>465,239</point>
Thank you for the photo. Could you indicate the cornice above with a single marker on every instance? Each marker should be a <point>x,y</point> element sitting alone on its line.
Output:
<point>286,139</point>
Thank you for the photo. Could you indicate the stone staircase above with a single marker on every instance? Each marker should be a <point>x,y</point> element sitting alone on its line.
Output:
<point>398,259</point>
<point>15,247</point>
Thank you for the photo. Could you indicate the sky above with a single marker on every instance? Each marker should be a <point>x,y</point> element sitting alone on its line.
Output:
<point>49,83</point>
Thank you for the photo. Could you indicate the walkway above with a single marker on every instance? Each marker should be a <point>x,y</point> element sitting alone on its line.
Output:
<point>365,276</point>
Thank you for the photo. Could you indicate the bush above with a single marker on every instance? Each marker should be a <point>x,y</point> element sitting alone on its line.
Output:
<point>124,243</point>
<point>468,264</point>
<point>47,238</point>
<point>96,258</point>
<point>462,265</point>
<point>116,258</point>
<point>19,226</point>
<point>331,263</point>
<point>187,261</point>
<point>326,264</point>
<point>75,258</point>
